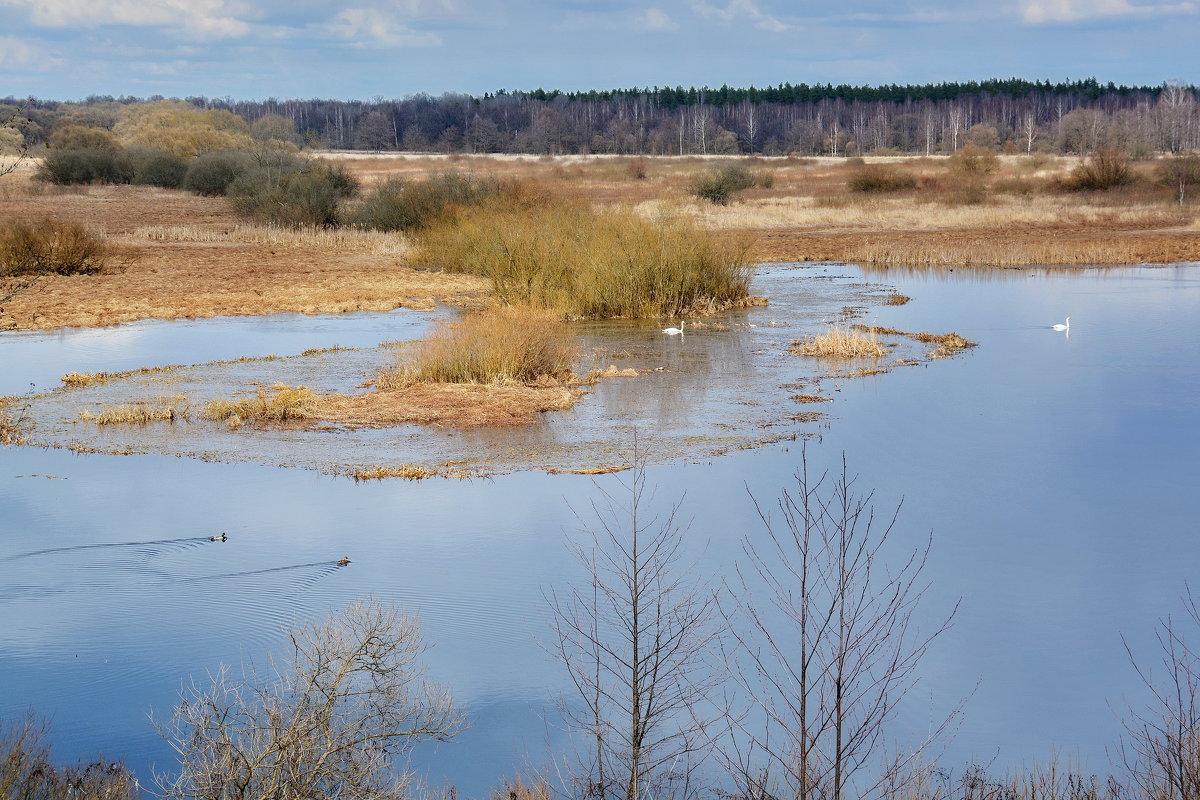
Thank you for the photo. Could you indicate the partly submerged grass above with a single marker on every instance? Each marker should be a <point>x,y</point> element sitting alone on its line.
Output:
<point>410,472</point>
<point>505,345</point>
<point>838,342</point>
<point>945,344</point>
<point>12,431</point>
<point>592,264</point>
<point>164,410</point>
<point>79,380</point>
<point>280,404</point>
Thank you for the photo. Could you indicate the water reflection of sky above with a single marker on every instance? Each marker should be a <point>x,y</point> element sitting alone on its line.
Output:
<point>1056,474</point>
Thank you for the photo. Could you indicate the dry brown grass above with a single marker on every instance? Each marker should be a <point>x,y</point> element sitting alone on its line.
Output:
<point>504,345</point>
<point>79,380</point>
<point>411,472</point>
<point>840,343</point>
<point>592,264</point>
<point>896,299</point>
<point>11,430</point>
<point>945,344</point>
<point>279,404</point>
<point>216,266</point>
<point>333,240</point>
<point>163,410</point>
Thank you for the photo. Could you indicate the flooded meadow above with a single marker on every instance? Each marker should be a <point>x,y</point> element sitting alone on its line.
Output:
<point>1056,470</point>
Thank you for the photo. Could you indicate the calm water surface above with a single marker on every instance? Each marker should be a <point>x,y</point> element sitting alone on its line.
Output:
<point>1057,474</point>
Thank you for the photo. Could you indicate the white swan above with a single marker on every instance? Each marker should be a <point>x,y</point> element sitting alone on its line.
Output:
<point>674,331</point>
<point>1062,327</point>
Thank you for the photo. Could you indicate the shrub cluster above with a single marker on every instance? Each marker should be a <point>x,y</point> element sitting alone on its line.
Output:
<point>880,178</point>
<point>1104,169</point>
<point>281,189</point>
<point>591,264</point>
<point>150,166</point>
<point>211,173</point>
<point>400,205</point>
<point>50,247</point>
<point>85,165</point>
<point>720,185</point>
<point>974,160</point>
<point>1179,173</point>
<point>140,165</point>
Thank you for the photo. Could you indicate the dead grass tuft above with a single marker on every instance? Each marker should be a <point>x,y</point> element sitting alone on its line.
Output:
<point>12,431</point>
<point>79,380</point>
<point>280,404</point>
<point>896,299</point>
<point>840,343</point>
<point>611,371</point>
<point>946,344</point>
<point>411,472</point>
<point>163,410</point>
<point>506,345</point>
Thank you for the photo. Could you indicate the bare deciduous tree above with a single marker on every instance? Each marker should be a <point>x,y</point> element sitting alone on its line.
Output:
<point>636,640</point>
<point>827,645</point>
<point>1162,746</point>
<point>328,722</point>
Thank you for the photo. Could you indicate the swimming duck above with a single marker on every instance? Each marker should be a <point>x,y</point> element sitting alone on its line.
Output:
<point>343,561</point>
<point>220,538</point>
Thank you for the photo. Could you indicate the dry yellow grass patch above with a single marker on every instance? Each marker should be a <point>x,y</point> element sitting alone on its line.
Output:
<point>280,404</point>
<point>411,472</point>
<point>840,343</point>
<point>215,265</point>
<point>11,430</point>
<point>355,240</point>
<point>946,344</point>
<point>590,470</point>
<point>506,345</point>
<point>78,380</point>
<point>611,371</point>
<point>163,410</point>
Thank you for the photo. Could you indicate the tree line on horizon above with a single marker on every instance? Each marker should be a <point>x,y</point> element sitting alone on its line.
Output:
<point>1010,115</point>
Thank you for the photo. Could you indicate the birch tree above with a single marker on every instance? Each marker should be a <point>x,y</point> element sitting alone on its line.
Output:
<point>636,638</point>
<point>827,645</point>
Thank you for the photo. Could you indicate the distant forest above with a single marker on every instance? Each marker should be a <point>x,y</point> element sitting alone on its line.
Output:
<point>1007,115</point>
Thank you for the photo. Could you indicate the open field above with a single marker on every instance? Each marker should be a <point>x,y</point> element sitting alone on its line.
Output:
<point>181,255</point>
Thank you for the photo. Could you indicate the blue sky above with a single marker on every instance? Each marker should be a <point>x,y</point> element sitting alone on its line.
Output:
<point>361,49</point>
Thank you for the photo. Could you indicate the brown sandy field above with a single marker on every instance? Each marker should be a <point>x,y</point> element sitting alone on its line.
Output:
<point>181,255</point>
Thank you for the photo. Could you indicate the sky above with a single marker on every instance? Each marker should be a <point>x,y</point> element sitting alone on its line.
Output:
<point>368,49</point>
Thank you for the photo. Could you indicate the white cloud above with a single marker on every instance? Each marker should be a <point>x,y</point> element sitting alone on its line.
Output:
<point>741,9</point>
<point>373,27</point>
<point>19,54</point>
<point>210,19</point>
<point>1037,12</point>
<point>655,19</point>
